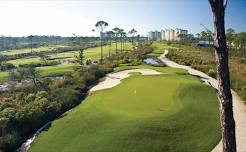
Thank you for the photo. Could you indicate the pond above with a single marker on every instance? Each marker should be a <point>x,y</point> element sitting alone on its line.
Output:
<point>151,61</point>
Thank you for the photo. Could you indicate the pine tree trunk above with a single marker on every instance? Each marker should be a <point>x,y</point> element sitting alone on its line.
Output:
<point>224,91</point>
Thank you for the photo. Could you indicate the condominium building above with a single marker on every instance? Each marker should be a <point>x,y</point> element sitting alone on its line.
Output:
<point>167,35</point>
<point>154,35</point>
<point>162,34</point>
<point>179,33</point>
<point>172,34</point>
<point>151,35</point>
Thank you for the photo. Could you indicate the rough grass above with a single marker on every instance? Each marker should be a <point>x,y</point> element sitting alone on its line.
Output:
<point>170,112</point>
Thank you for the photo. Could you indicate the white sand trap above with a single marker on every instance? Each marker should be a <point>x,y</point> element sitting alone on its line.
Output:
<point>239,107</point>
<point>114,79</point>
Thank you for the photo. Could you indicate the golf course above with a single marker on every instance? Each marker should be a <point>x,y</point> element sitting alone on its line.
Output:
<point>92,53</point>
<point>172,111</point>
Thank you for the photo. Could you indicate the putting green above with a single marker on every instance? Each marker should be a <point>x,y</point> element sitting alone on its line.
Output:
<point>169,112</point>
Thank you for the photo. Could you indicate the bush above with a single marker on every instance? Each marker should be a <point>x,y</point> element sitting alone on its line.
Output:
<point>212,73</point>
<point>6,66</point>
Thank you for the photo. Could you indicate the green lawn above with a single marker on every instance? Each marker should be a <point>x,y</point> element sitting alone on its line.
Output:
<point>64,55</point>
<point>169,112</point>
<point>3,76</point>
<point>56,70</point>
<point>27,60</point>
<point>94,53</point>
<point>159,48</point>
<point>28,50</point>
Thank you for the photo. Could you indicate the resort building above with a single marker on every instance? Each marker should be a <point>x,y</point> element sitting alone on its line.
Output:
<point>154,35</point>
<point>162,34</point>
<point>167,34</point>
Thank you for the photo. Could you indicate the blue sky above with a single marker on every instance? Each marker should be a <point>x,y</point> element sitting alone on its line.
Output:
<point>57,17</point>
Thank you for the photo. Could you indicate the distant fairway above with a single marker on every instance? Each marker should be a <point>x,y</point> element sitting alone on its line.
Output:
<point>159,113</point>
<point>28,50</point>
<point>90,53</point>
<point>159,48</point>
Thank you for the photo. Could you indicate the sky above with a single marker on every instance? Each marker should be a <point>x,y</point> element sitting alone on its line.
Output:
<point>60,17</point>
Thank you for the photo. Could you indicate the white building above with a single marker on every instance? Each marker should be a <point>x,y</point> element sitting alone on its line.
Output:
<point>163,35</point>
<point>167,34</point>
<point>151,35</point>
<point>156,35</point>
<point>172,34</point>
<point>179,33</point>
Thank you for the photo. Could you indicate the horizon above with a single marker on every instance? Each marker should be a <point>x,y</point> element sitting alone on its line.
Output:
<point>62,18</point>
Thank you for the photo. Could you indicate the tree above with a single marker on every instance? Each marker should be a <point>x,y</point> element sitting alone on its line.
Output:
<point>101,25</point>
<point>133,32</point>
<point>116,33</point>
<point>44,58</point>
<point>198,35</point>
<point>80,57</point>
<point>124,40</point>
<point>240,41</point>
<point>230,34</point>
<point>224,89</point>
<point>28,73</point>
<point>30,38</point>
<point>121,33</point>
<point>2,60</point>
<point>110,35</point>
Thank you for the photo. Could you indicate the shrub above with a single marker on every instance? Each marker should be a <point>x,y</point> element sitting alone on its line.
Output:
<point>212,73</point>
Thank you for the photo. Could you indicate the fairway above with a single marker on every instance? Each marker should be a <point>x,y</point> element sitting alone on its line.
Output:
<point>28,50</point>
<point>157,113</point>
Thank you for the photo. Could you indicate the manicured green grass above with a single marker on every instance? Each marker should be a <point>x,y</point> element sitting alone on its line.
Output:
<point>28,60</point>
<point>64,55</point>
<point>3,76</point>
<point>28,50</point>
<point>90,53</point>
<point>56,70</point>
<point>169,112</point>
<point>159,48</point>
<point>95,53</point>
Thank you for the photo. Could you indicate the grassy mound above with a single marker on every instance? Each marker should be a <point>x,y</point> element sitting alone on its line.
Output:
<point>170,112</point>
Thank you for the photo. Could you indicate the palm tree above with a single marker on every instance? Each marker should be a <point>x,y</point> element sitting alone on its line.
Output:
<point>198,35</point>
<point>116,33</point>
<point>121,32</point>
<point>224,89</point>
<point>101,25</point>
<point>110,35</point>
<point>124,40</point>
